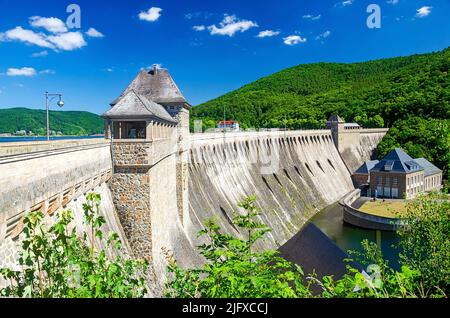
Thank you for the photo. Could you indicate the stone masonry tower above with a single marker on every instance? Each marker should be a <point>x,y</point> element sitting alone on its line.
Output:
<point>336,124</point>
<point>149,127</point>
<point>345,135</point>
<point>158,86</point>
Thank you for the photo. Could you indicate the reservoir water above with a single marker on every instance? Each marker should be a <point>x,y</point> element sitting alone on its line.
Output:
<point>349,237</point>
<point>44,138</point>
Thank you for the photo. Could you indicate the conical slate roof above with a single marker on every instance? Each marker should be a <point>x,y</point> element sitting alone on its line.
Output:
<point>156,85</point>
<point>135,106</point>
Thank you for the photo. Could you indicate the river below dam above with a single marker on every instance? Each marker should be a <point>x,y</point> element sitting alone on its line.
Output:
<point>349,237</point>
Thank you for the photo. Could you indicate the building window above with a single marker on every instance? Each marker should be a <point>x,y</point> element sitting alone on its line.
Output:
<point>395,182</point>
<point>379,180</point>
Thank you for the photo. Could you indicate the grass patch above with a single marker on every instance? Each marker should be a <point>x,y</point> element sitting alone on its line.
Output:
<point>389,209</point>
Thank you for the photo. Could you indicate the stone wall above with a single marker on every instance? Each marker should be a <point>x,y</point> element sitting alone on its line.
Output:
<point>293,175</point>
<point>368,221</point>
<point>10,246</point>
<point>128,153</point>
<point>363,148</point>
<point>48,176</point>
<point>131,196</point>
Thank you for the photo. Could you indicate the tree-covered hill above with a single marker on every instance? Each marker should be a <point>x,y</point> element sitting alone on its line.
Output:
<point>66,122</point>
<point>412,90</point>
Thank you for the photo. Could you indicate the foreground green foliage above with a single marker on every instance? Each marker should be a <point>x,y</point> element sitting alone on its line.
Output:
<point>377,281</point>
<point>74,123</point>
<point>425,241</point>
<point>55,262</point>
<point>411,94</point>
<point>233,269</point>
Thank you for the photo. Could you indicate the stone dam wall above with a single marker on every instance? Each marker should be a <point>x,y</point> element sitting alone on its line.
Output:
<point>146,185</point>
<point>292,174</point>
<point>50,177</point>
<point>361,146</point>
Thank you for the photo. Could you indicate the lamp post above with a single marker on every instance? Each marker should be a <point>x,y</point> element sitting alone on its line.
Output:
<point>60,103</point>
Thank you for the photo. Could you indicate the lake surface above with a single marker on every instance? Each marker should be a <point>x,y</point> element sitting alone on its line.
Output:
<point>44,138</point>
<point>349,237</point>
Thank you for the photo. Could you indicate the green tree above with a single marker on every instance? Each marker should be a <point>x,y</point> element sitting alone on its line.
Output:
<point>425,241</point>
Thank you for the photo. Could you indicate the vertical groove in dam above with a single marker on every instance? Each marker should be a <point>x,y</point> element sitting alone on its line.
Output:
<point>292,177</point>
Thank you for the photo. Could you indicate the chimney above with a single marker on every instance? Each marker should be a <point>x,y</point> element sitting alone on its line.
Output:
<point>155,69</point>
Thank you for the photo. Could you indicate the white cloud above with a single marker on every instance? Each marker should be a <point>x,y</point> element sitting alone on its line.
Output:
<point>40,54</point>
<point>93,33</point>
<point>27,36</point>
<point>293,39</point>
<point>423,12</point>
<point>151,15</point>
<point>392,1</point>
<point>24,71</point>
<point>53,25</point>
<point>110,69</point>
<point>312,17</point>
<point>345,3</point>
<point>68,41</point>
<point>323,35</point>
<point>230,25</point>
<point>267,33</point>
<point>199,27</point>
<point>61,41</point>
<point>47,72</point>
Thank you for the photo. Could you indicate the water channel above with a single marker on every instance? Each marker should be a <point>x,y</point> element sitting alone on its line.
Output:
<point>349,237</point>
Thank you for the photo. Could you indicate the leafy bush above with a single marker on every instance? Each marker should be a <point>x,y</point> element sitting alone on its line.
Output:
<point>425,241</point>
<point>233,269</point>
<point>55,262</point>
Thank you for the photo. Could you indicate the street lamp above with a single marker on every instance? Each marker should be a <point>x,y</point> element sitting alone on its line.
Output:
<point>60,103</point>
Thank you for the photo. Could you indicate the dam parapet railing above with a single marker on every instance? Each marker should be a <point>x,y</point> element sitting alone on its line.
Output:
<point>374,130</point>
<point>358,218</point>
<point>48,175</point>
<point>231,136</point>
<point>34,148</point>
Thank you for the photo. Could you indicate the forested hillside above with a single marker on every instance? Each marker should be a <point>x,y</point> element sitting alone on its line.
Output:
<point>66,122</point>
<point>409,93</point>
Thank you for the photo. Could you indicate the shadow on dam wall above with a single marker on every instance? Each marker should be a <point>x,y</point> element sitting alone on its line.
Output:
<point>292,176</point>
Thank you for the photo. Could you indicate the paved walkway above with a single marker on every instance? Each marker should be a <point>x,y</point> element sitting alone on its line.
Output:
<point>360,201</point>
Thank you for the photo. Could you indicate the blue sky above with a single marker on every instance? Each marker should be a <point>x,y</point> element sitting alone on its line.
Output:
<point>91,65</point>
